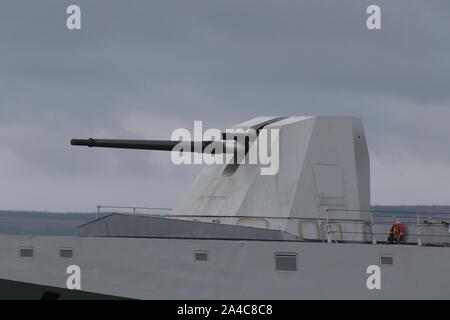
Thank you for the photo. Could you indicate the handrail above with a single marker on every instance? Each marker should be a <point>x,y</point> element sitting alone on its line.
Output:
<point>389,211</point>
<point>418,216</point>
<point>253,217</point>
<point>134,208</point>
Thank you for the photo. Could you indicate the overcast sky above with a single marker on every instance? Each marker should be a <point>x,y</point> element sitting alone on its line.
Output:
<point>139,69</point>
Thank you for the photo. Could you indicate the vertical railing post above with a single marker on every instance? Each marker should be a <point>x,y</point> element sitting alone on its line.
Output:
<point>134,210</point>
<point>419,239</point>
<point>329,240</point>
<point>374,240</point>
<point>98,212</point>
<point>328,231</point>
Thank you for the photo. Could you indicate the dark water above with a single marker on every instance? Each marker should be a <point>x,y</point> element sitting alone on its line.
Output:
<point>54,223</point>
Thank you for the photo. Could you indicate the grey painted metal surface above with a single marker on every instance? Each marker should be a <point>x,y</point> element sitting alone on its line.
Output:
<point>144,226</point>
<point>166,269</point>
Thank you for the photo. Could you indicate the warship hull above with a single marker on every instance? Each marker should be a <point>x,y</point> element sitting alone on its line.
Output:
<point>303,231</point>
<point>162,268</point>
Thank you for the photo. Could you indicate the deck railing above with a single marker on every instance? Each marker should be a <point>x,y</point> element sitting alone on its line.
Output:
<point>415,219</point>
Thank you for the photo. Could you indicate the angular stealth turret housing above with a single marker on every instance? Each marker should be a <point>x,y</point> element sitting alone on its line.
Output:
<point>324,166</point>
<point>321,189</point>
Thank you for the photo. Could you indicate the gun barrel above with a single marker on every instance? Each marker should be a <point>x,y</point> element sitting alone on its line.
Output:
<point>161,145</point>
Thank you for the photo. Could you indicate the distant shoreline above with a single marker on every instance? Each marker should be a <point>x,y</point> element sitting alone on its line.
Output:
<point>24,222</point>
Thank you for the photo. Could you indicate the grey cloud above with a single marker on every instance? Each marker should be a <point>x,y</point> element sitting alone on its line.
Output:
<point>163,64</point>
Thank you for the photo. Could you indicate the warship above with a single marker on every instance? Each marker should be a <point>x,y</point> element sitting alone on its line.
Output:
<point>304,232</point>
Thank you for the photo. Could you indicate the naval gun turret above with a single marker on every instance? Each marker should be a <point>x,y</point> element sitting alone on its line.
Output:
<point>320,190</point>
<point>228,142</point>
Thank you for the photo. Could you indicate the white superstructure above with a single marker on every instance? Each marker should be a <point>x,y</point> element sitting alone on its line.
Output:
<point>324,164</point>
